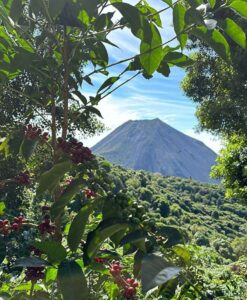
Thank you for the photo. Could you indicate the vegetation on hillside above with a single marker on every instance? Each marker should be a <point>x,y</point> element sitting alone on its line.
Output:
<point>66,230</point>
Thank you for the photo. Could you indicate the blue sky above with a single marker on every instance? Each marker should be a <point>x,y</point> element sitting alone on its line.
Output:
<point>159,97</point>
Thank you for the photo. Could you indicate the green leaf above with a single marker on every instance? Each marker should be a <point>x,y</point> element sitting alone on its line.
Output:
<point>93,110</point>
<point>173,235</point>
<point>212,3</point>
<point>214,39</point>
<point>156,271</point>
<point>96,237</point>
<point>138,24</point>
<point>179,23</point>
<point>178,59</point>
<point>72,281</point>
<point>2,249</point>
<point>164,69</point>
<point>50,274</point>
<point>31,262</point>
<point>49,180</point>
<point>168,2</point>
<point>151,52</point>
<point>16,10</point>
<point>182,253</point>
<point>73,189</point>
<point>135,236</point>
<point>78,226</point>
<point>2,208</point>
<point>150,12</point>
<point>54,250</point>
<point>28,147</point>
<point>240,7</point>
<point>108,83</point>
<point>234,31</point>
<point>139,255</point>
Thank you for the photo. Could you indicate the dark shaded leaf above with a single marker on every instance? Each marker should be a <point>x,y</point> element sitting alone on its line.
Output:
<point>49,180</point>
<point>96,237</point>
<point>54,250</point>
<point>2,249</point>
<point>156,271</point>
<point>73,189</point>
<point>31,262</point>
<point>135,236</point>
<point>78,226</point>
<point>173,235</point>
<point>72,281</point>
<point>28,147</point>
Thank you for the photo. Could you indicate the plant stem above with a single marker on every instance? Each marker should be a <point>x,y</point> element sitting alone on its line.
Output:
<point>65,85</point>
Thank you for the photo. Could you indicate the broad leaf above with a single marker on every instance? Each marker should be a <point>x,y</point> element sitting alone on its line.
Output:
<point>56,7</point>
<point>151,52</point>
<point>54,250</point>
<point>108,83</point>
<point>135,236</point>
<point>72,281</point>
<point>156,271</point>
<point>234,31</point>
<point>49,180</point>
<point>78,226</point>
<point>182,252</point>
<point>240,6</point>
<point>34,262</point>
<point>179,23</point>
<point>96,237</point>
<point>173,235</point>
<point>28,147</point>
<point>178,59</point>
<point>72,190</point>
<point>214,39</point>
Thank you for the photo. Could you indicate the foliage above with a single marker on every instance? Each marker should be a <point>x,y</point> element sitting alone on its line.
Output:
<point>77,231</point>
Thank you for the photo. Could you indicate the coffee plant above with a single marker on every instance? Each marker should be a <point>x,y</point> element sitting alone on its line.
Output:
<point>77,237</point>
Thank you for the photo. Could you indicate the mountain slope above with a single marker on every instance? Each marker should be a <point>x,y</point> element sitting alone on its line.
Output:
<point>154,146</point>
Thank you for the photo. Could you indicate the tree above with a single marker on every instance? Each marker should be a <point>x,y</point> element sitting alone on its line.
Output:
<point>50,42</point>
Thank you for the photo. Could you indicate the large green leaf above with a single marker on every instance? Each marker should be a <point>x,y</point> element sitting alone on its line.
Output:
<point>214,39</point>
<point>137,22</point>
<point>182,252</point>
<point>2,249</point>
<point>173,235</point>
<point>240,6</point>
<point>34,262</point>
<point>78,226</point>
<point>234,31</point>
<point>108,83</point>
<point>178,59</point>
<point>49,180</point>
<point>156,271</point>
<point>28,147</point>
<point>151,52</point>
<point>72,190</point>
<point>132,237</point>
<point>16,9</point>
<point>96,237</point>
<point>54,250</point>
<point>72,281</point>
<point>179,23</point>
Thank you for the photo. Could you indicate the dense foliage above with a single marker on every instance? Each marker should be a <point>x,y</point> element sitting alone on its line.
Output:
<point>67,231</point>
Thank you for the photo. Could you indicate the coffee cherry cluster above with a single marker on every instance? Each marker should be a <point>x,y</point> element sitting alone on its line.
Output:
<point>34,274</point>
<point>100,260</point>
<point>76,151</point>
<point>35,133</point>
<point>23,178</point>
<point>128,286</point>
<point>7,227</point>
<point>130,289</point>
<point>46,227</point>
<point>89,193</point>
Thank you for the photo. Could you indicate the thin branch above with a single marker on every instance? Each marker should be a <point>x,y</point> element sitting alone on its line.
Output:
<point>120,85</point>
<point>65,85</point>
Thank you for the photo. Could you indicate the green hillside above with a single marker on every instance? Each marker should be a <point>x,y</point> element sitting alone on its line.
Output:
<point>214,228</point>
